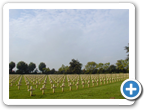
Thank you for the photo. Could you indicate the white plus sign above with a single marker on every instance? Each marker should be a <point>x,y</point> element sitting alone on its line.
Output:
<point>131,89</point>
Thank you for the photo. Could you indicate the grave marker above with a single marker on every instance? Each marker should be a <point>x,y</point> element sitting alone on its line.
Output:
<point>104,80</point>
<point>64,81</point>
<point>107,80</point>
<point>70,86</point>
<point>83,83</point>
<point>58,83</point>
<point>36,84</point>
<point>88,82</point>
<point>110,80</point>
<point>62,87</point>
<point>28,84</point>
<point>100,81</point>
<point>43,89</point>
<point>53,87</point>
<point>18,85</point>
<point>11,83</point>
<point>77,85</point>
<point>51,82</point>
<point>33,81</point>
<point>45,83</point>
<point>97,82</point>
<point>68,81</point>
<point>31,90</point>
<point>93,82</point>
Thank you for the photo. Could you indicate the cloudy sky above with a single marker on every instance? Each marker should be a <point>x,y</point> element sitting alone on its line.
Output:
<point>55,37</point>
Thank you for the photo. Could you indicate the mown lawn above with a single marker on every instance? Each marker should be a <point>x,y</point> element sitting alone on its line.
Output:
<point>107,91</point>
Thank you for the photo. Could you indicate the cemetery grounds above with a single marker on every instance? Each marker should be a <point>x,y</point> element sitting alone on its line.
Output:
<point>74,86</point>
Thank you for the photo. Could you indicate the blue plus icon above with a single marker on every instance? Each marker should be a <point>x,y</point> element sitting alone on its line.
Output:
<point>130,89</point>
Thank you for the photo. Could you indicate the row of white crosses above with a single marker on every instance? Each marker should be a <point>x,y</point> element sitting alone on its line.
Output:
<point>35,78</point>
<point>60,78</point>
<point>105,79</point>
<point>52,83</point>
<point>74,79</point>
<point>57,79</point>
<point>27,82</point>
<point>27,79</point>
<point>19,82</point>
<point>94,79</point>
<point>86,79</point>
<point>30,88</point>
<point>51,78</point>
<point>110,78</point>
<point>13,79</point>
<point>71,79</point>
<point>38,80</point>
<point>43,88</point>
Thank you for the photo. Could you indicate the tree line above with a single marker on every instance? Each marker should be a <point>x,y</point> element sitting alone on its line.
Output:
<point>122,66</point>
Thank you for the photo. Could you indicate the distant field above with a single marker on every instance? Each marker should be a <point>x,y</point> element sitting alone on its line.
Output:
<point>100,91</point>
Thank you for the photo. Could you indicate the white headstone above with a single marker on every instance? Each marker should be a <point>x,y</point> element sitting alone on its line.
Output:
<point>31,90</point>
<point>43,89</point>
<point>53,87</point>
<point>62,86</point>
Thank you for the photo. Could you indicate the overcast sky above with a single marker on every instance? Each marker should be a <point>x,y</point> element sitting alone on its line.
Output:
<point>55,37</point>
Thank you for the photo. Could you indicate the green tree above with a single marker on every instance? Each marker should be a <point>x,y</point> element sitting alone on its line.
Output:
<point>99,65</point>
<point>19,71</point>
<point>106,67</point>
<point>90,67</point>
<point>127,51</point>
<point>75,67</point>
<point>41,66</point>
<point>126,65</point>
<point>120,66</point>
<point>112,69</point>
<point>31,67</point>
<point>123,65</point>
<point>63,69</point>
<point>83,71</point>
<point>100,70</point>
<point>126,62</point>
<point>11,66</point>
<point>66,69</point>
<point>22,67</point>
<point>53,71</point>
<point>46,70</point>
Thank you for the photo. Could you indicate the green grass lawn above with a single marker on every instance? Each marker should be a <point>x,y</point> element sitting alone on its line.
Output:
<point>106,91</point>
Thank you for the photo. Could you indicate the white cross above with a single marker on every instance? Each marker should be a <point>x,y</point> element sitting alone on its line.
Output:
<point>131,89</point>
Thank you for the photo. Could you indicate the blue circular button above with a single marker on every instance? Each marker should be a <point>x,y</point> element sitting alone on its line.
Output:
<point>131,89</point>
